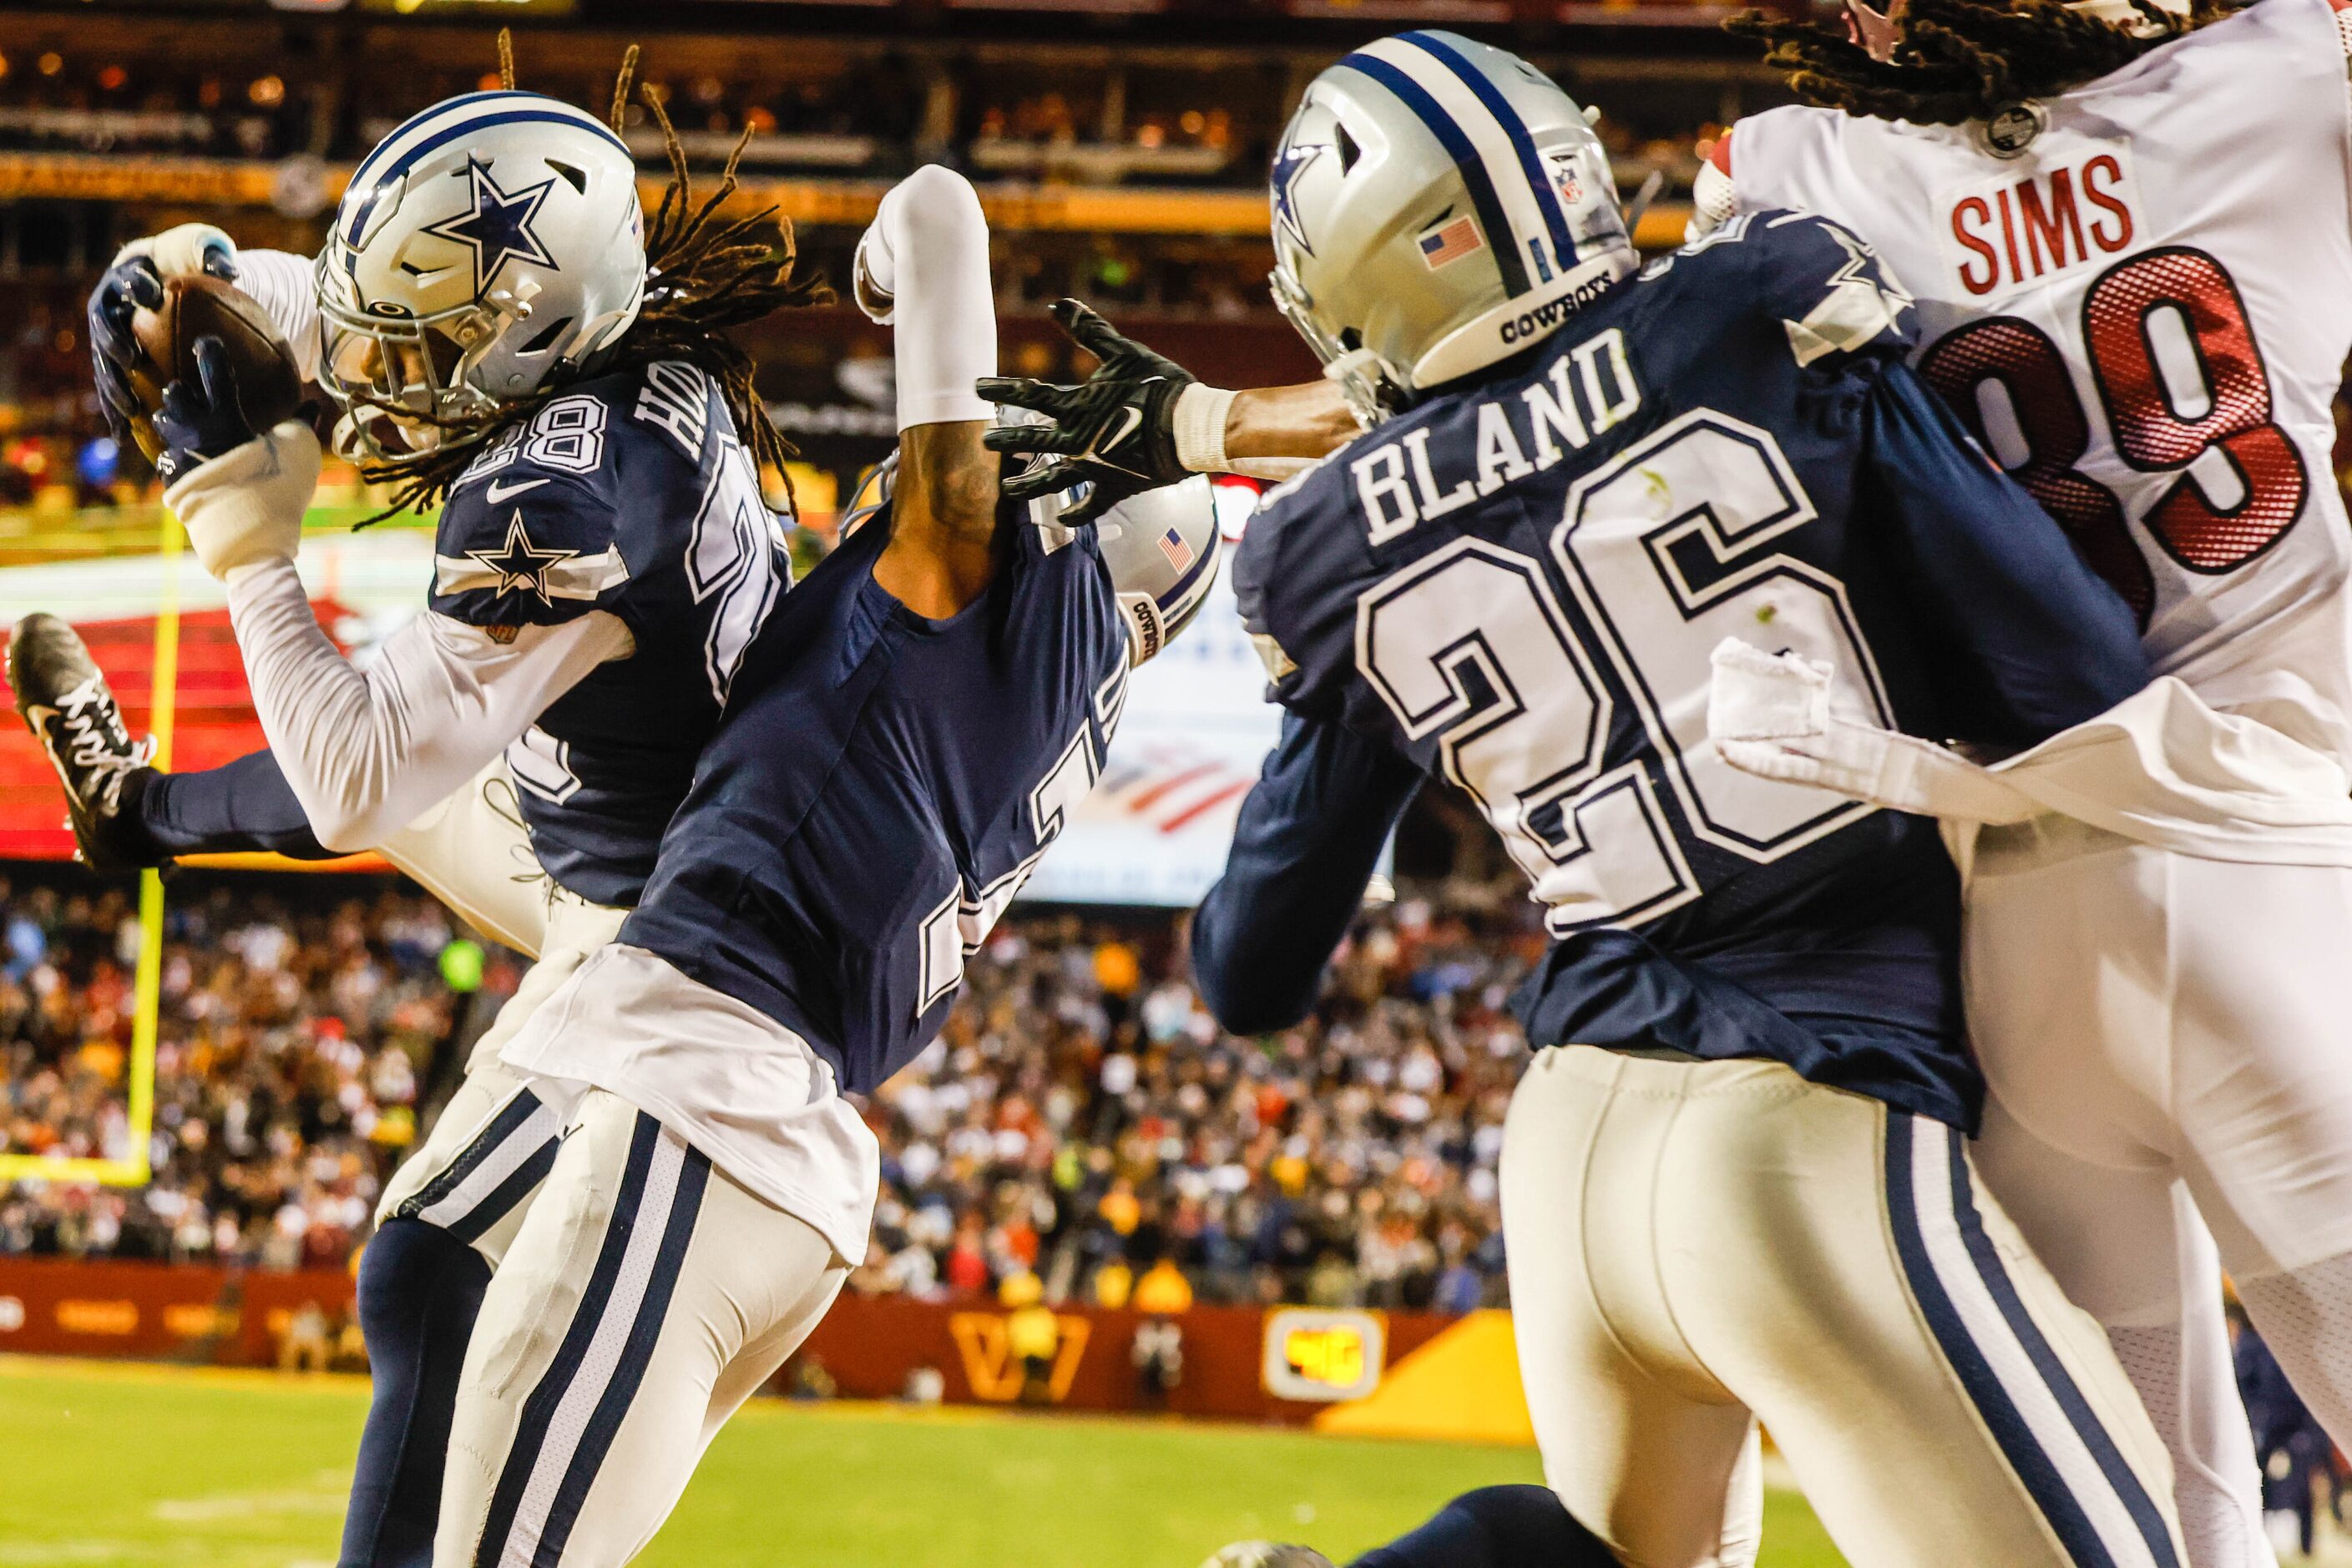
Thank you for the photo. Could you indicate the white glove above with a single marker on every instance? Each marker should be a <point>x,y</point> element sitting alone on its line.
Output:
<point>245,505</point>
<point>1768,714</point>
<point>185,251</point>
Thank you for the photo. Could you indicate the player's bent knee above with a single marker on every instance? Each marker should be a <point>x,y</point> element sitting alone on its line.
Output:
<point>407,1269</point>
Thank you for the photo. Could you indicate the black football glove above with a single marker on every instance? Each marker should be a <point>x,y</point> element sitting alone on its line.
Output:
<point>115,354</point>
<point>201,417</point>
<point>1116,431</point>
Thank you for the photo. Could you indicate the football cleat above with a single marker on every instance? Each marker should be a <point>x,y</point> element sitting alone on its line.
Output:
<point>1267,1554</point>
<point>64,699</point>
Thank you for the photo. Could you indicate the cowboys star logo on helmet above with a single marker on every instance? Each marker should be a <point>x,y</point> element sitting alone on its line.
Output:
<point>498,227</point>
<point>1289,165</point>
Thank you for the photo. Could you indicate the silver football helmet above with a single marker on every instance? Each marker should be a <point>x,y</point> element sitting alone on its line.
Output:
<point>488,242</point>
<point>1439,205</point>
<point>1161,547</point>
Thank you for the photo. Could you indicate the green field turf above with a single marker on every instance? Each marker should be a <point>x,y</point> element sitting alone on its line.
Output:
<point>103,1465</point>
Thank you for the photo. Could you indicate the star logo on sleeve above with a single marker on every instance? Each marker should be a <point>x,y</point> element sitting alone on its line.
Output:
<point>498,228</point>
<point>1294,159</point>
<point>519,565</point>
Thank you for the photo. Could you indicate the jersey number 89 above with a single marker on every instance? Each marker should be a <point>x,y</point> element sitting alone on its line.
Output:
<point>2209,517</point>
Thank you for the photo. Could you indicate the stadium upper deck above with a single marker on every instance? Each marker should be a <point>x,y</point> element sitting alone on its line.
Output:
<point>1119,144</point>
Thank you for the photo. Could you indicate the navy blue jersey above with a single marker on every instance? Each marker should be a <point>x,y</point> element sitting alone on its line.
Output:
<point>632,494</point>
<point>881,786</point>
<point>1516,587</point>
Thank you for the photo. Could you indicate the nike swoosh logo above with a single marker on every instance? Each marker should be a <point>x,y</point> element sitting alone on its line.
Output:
<point>1134,418</point>
<point>497,492</point>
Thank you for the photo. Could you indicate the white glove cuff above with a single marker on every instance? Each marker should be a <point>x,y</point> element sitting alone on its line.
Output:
<point>1200,419</point>
<point>1201,415</point>
<point>178,252</point>
<point>245,505</point>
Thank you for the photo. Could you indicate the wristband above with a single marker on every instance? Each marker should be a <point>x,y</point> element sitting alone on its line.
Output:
<point>1200,420</point>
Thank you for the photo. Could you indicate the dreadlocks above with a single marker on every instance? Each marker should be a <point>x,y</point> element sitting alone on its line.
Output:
<point>702,277</point>
<point>1959,60</point>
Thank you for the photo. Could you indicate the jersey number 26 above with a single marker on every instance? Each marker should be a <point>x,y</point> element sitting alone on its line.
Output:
<point>1677,543</point>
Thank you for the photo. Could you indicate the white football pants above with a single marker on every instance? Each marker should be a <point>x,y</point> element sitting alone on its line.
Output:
<point>495,1142</point>
<point>646,1297</point>
<point>2149,1021</point>
<point>1694,1246</point>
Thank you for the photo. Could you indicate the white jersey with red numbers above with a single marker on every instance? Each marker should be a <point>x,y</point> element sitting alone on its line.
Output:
<point>2143,311</point>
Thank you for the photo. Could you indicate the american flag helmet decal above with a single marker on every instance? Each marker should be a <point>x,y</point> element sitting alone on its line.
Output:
<point>1172,545</point>
<point>1450,242</point>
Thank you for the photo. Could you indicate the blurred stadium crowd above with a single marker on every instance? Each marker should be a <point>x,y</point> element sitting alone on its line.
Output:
<point>1081,1120</point>
<point>292,105</point>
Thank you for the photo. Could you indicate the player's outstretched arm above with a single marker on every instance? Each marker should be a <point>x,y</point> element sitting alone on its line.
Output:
<point>922,269</point>
<point>1310,832</point>
<point>1142,420</point>
<point>1770,715</point>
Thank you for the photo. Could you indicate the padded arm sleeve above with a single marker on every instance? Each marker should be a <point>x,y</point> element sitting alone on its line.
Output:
<point>366,753</point>
<point>928,253</point>
<point>1310,832</point>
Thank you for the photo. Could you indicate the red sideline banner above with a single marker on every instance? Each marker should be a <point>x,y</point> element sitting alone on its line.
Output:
<point>157,1311</point>
<point>1225,1360</point>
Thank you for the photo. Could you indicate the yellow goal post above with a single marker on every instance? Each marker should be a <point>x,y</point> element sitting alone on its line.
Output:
<point>133,1169</point>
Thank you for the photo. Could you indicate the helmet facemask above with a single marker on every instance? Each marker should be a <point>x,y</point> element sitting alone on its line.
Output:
<point>402,382</point>
<point>1375,389</point>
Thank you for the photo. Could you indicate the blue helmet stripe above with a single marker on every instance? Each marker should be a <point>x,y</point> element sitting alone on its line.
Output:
<point>1563,248</point>
<point>384,148</point>
<point>1500,238</point>
<point>557,113</point>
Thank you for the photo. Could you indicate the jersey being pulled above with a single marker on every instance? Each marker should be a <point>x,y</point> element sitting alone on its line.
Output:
<point>631,494</point>
<point>1519,585</point>
<point>2144,309</point>
<point>880,788</point>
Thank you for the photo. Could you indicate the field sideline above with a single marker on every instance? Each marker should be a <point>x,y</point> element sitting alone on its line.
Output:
<point>110,1464</point>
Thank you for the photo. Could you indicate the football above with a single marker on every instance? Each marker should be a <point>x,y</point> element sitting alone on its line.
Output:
<point>268,381</point>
